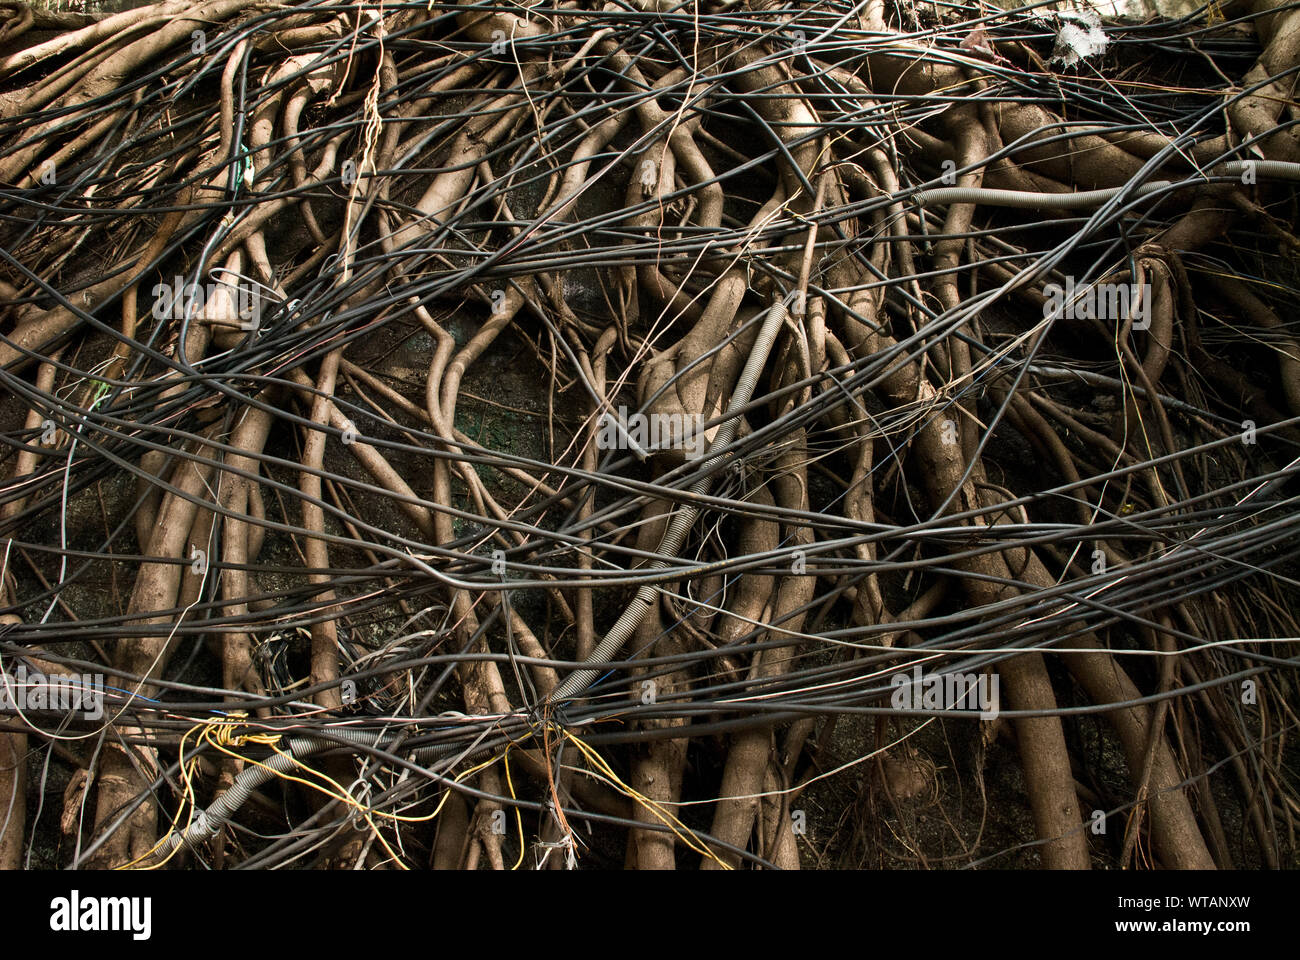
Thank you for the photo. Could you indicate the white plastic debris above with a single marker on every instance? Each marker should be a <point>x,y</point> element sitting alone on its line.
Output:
<point>1079,38</point>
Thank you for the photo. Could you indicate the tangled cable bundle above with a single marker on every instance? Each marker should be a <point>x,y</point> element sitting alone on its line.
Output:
<point>716,434</point>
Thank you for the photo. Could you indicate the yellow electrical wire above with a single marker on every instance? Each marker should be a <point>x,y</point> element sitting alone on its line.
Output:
<point>217,732</point>
<point>223,734</point>
<point>685,834</point>
<point>187,796</point>
<point>519,817</point>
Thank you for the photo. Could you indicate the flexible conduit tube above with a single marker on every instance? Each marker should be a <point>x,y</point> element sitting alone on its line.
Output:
<point>1028,200</point>
<point>1277,169</point>
<point>681,522</point>
<point>207,823</point>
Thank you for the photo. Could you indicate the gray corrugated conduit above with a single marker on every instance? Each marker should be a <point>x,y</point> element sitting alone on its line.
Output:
<point>1028,200</point>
